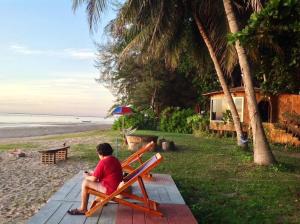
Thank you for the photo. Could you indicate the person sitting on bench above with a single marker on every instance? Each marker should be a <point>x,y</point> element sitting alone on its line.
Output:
<point>105,178</point>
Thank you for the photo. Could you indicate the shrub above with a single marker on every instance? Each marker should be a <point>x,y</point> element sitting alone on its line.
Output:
<point>227,117</point>
<point>174,119</point>
<point>199,123</point>
<point>141,120</point>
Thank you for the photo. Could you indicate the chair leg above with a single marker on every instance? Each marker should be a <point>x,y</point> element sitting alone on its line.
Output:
<point>149,206</point>
<point>142,187</point>
<point>95,206</point>
<point>149,210</point>
<point>93,203</point>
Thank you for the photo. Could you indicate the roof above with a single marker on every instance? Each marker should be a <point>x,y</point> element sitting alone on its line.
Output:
<point>232,90</point>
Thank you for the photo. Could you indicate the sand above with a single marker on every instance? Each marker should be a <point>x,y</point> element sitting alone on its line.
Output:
<point>25,183</point>
<point>17,132</point>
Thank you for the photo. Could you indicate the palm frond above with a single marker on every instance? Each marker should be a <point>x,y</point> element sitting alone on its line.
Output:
<point>256,5</point>
<point>94,9</point>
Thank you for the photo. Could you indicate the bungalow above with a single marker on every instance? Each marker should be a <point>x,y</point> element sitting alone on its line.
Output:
<point>271,108</point>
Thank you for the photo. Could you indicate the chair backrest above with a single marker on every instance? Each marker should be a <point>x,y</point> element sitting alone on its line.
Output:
<point>138,153</point>
<point>133,176</point>
<point>145,167</point>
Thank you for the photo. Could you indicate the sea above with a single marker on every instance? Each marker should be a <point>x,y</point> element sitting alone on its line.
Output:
<point>37,120</point>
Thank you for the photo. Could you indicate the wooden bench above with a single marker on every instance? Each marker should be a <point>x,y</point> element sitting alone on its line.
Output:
<point>50,156</point>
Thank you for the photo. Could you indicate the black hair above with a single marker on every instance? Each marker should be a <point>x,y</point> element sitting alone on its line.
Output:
<point>104,149</point>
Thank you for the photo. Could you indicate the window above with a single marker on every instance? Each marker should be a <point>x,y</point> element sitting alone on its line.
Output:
<point>239,103</point>
<point>218,106</point>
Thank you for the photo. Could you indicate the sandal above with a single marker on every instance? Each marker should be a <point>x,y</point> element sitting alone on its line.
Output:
<point>76,211</point>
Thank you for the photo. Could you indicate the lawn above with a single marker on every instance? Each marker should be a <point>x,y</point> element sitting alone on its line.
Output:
<point>218,180</point>
<point>220,183</point>
<point>24,146</point>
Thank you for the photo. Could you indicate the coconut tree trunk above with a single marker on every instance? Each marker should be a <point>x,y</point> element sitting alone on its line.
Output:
<point>220,74</point>
<point>262,153</point>
<point>153,99</point>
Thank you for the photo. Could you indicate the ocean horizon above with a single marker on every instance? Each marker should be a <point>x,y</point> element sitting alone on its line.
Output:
<point>37,120</point>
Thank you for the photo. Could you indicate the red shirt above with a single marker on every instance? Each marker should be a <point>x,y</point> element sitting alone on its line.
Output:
<point>109,173</point>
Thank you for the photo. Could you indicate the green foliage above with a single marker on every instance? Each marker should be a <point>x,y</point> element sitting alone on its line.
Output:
<point>275,32</point>
<point>199,123</point>
<point>168,68</point>
<point>263,23</point>
<point>174,119</point>
<point>227,117</point>
<point>146,120</point>
<point>147,84</point>
<point>275,75</point>
<point>201,75</point>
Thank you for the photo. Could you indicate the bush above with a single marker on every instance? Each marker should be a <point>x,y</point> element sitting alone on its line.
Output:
<point>141,120</point>
<point>227,117</point>
<point>199,123</point>
<point>174,119</point>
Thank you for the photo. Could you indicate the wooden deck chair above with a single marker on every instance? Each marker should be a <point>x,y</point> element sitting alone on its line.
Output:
<point>145,205</point>
<point>137,157</point>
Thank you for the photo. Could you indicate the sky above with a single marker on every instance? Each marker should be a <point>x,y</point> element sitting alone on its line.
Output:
<point>47,59</point>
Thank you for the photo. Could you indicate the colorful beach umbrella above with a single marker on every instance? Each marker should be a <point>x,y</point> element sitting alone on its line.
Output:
<point>122,110</point>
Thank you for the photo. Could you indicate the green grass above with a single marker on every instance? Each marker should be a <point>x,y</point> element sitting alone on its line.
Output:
<point>23,146</point>
<point>286,148</point>
<point>219,181</point>
<point>81,134</point>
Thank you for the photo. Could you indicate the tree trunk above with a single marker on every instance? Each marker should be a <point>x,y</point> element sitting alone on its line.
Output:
<point>262,153</point>
<point>153,99</point>
<point>220,74</point>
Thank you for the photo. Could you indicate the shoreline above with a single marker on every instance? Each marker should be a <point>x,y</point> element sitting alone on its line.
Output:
<point>21,132</point>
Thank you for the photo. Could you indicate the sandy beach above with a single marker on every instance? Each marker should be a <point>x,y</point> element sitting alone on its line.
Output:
<point>26,184</point>
<point>17,132</point>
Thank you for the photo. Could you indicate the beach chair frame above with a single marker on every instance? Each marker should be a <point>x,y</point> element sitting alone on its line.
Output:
<point>146,205</point>
<point>137,157</point>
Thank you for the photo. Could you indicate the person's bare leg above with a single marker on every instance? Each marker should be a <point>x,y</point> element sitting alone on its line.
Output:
<point>85,196</point>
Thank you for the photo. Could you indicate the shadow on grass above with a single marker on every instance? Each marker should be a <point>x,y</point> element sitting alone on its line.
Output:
<point>286,162</point>
<point>286,167</point>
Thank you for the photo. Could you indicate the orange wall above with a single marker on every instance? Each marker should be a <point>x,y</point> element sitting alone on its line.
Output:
<point>279,104</point>
<point>287,103</point>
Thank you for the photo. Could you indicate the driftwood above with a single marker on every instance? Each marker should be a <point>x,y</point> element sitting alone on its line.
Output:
<point>17,153</point>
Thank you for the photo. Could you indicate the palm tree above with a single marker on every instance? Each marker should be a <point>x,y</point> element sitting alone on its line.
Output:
<point>155,29</point>
<point>262,152</point>
<point>220,74</point>
<point>161,37</point>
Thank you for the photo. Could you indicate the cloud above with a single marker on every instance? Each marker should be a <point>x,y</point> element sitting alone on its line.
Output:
<point>56,96</point>
<point>25,50</point>
<point>80,53</point>
<point>74,53</point>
